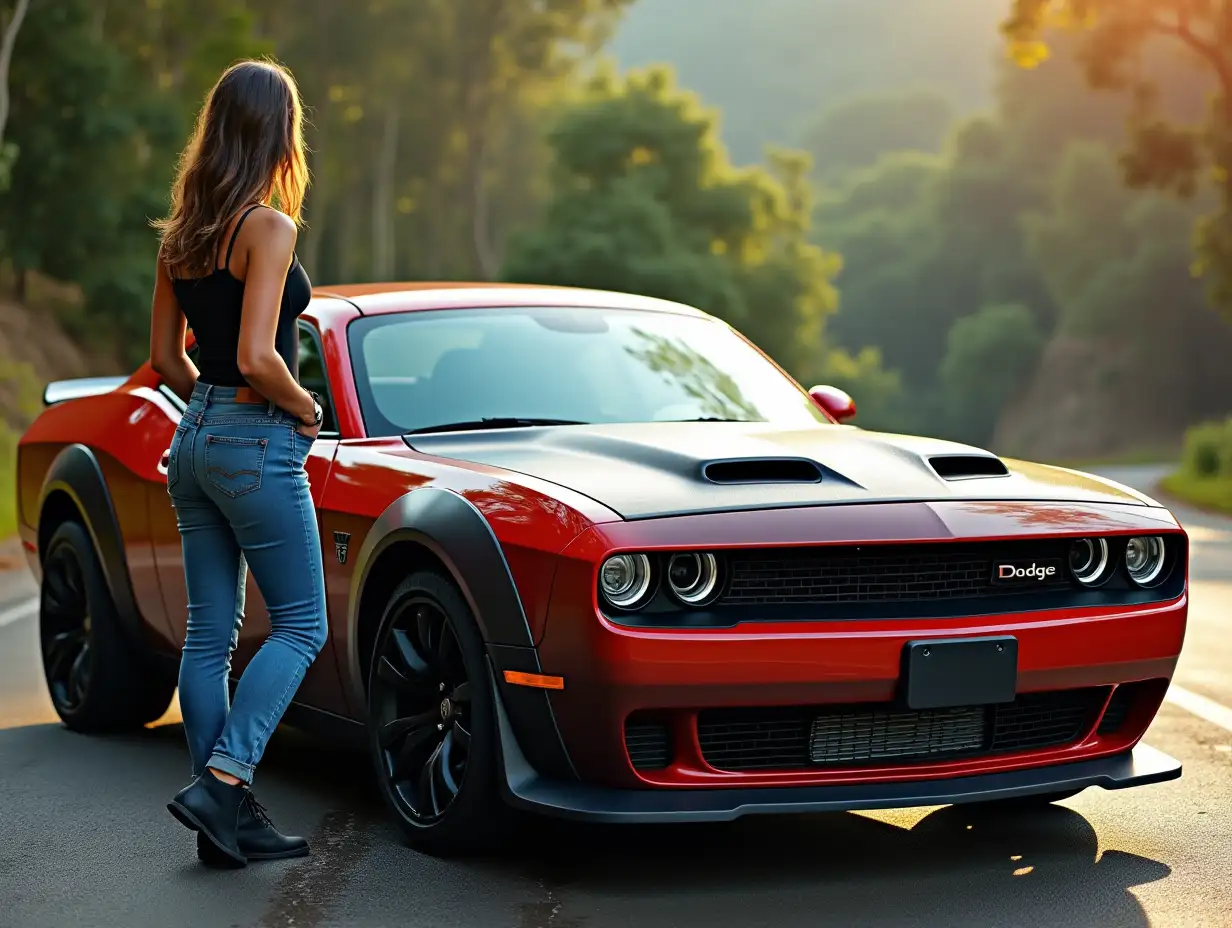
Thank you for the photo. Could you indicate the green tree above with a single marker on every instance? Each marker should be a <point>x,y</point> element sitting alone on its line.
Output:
<point>1116,262</point>
<point>990,355</point>
<point>644,200</point>
<point>101,100</point>
<point>10,26</point>
<point>770,65</point>
<point>425,130</point>
<point>927,240</point>
<point>1163,153</point>
<point>858,131</point>
<point>77,117</point>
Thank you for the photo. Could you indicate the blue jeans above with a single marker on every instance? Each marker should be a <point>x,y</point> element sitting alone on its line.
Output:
<point>236,478</point>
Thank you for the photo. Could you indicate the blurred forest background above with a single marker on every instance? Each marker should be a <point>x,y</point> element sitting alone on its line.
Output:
<point>878,192</point>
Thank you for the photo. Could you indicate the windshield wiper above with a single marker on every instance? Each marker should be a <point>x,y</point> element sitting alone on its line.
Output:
<point>497,422</point>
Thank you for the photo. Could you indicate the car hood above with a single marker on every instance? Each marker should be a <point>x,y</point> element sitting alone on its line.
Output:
<point>649,470</point>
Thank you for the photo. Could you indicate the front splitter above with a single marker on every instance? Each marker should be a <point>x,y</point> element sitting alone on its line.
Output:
<point>526,789</point>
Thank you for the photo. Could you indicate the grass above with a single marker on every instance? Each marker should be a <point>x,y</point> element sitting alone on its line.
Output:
<point>1204,478</point>
<point>8,481</point>
<point>1212,493</point>
<point>20,402</point>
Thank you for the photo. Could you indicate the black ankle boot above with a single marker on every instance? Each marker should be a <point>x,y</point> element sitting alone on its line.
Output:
<point>257,837</point>
<point>211,808</point>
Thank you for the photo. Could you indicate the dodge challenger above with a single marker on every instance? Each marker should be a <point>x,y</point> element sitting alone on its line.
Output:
<point>596,556</point>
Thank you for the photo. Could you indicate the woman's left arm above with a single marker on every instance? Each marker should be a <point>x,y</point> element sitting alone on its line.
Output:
<point>167,329</point>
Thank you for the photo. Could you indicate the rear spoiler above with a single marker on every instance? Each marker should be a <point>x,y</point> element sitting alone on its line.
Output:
<point>60,391</point>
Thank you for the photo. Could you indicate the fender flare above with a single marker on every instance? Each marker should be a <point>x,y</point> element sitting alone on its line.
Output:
<point>77,473</point>
<point>460,537</point>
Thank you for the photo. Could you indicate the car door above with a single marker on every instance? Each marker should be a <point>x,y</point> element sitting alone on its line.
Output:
<point>321,683</point>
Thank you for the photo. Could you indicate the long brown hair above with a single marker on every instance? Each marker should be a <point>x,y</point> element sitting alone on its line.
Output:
<point>248,147</point>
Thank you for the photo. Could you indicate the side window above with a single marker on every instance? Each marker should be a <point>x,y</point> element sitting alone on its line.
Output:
<point>312,376</point>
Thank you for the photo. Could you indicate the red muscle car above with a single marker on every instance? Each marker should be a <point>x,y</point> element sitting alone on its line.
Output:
<point>596,556</point>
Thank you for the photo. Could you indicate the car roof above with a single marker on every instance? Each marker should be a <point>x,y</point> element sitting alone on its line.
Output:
<point>378,298</point>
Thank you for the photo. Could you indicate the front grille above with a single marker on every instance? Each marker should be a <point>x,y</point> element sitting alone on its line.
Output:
<point>856,737</point>
<point>887,573</point>
<point>648,744</point>
<point>852,736</point>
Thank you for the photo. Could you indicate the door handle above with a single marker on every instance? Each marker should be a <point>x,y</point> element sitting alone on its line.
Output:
<point>164,462</point>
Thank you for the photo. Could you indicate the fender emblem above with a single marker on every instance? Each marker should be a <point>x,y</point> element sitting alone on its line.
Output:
<point>342,541</point>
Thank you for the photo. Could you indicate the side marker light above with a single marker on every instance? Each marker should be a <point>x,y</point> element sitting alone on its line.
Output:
<point>537,680</point>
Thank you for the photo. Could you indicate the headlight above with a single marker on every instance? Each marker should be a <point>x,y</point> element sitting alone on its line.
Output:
<point>1144,558</point>
<point>1088,560</point>
<point>624,579</point>
<point>693,577</point>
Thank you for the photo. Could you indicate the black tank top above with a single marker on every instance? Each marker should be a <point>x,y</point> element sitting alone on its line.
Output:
<point>212,306</point>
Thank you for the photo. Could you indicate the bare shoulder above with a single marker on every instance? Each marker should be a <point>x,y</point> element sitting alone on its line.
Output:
<point>269,231</point>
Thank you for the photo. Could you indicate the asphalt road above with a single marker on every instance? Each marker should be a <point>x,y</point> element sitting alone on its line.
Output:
<point>85,839</point>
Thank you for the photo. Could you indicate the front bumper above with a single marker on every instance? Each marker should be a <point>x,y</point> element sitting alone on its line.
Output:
<point>612,674</point>
<point>622,677</point>
<point>524,788</point>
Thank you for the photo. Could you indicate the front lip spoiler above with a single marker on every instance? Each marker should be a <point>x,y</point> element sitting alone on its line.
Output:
<point>526,789</point>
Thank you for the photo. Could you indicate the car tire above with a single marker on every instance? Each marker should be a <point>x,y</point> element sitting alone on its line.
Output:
<point>97,679</point>
<point>428,658</point>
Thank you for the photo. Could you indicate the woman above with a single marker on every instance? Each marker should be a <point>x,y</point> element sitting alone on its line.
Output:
<point>227,270</point>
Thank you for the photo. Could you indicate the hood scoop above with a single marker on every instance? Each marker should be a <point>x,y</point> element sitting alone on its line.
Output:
<point>967,466</point>
<point>761,470</point>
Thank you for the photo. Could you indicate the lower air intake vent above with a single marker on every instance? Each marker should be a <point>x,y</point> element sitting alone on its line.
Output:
<point>762,470</point>
<point>853,736</point>
<point>1118,709</point>
<point>961,466</point>
<point>648,744</point>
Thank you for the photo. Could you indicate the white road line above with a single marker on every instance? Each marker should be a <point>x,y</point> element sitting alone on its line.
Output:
<point>1203,708</point>
<point>18,612</point>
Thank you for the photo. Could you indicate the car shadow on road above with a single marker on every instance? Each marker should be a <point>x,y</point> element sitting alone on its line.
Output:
<point>949,866</point>
<point>954,866</point>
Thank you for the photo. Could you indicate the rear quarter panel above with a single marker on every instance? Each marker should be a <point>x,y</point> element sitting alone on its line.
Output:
<point>127,431</point>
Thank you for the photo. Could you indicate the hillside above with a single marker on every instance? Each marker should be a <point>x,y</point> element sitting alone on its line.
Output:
<point>34,350</point>
<point>772,64</point>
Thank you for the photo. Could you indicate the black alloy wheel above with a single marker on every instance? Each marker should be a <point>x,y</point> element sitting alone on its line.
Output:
<point>65,630</point>
<point>99,678</point>
<point>423,699</point>
<point>431,726</point>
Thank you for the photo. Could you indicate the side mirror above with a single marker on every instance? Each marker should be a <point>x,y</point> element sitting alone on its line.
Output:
<point>838,403</point>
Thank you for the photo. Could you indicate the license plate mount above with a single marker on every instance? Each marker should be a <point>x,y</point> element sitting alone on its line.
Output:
<point>945,672</point>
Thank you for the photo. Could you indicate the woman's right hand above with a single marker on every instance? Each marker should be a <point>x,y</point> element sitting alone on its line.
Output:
<point>308,427</point>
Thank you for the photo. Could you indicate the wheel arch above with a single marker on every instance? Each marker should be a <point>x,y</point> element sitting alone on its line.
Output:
<point>75,488</point>
<point>436,528</point>
<point>402,554</point>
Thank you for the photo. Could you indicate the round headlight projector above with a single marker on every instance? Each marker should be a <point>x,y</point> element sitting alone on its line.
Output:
<point>693,577</point>
<point>1088,559</point>
<point>1144,559</point>
<point>624,579</point>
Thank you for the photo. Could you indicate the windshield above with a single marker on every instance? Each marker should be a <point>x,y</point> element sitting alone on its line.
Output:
<point>422,370</point>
